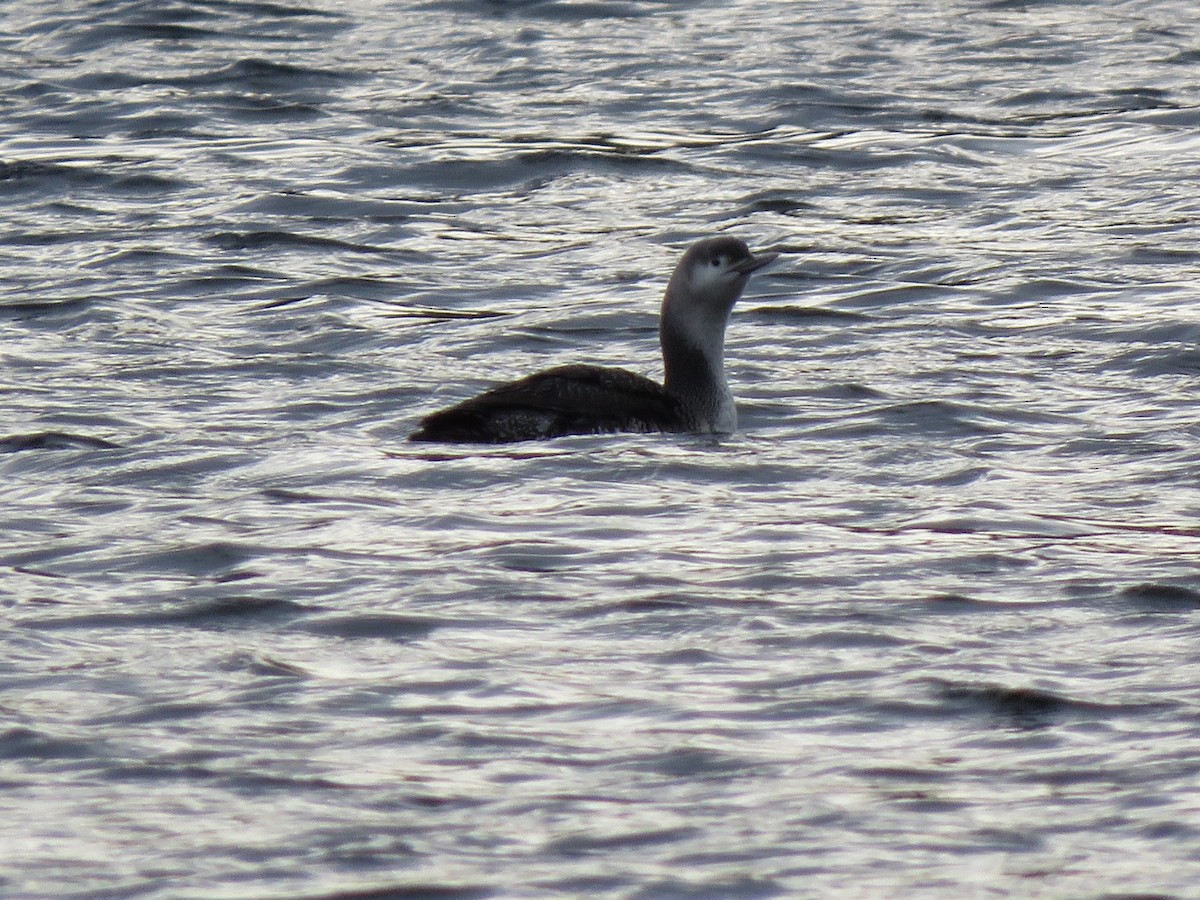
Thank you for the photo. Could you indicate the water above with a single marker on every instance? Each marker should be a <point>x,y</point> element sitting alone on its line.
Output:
<point>926,626</point>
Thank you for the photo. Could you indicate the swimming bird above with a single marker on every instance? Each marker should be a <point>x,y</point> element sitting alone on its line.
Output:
<point>585,399</point>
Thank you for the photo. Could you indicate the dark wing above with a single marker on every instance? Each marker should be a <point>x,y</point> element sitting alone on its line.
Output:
<point>565,400</point>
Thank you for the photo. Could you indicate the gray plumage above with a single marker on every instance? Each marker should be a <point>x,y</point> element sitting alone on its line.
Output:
<point>582,399</point>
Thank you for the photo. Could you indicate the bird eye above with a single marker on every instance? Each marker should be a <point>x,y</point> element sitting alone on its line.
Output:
<point>716,261</point>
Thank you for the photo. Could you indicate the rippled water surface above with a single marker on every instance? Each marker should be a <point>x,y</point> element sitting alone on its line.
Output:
<point>927,626</point>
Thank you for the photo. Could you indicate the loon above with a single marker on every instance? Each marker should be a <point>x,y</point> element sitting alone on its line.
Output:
<point>585,399</point>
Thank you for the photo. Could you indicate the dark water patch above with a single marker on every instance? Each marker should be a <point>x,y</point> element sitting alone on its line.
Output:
<point>1037,291</point>
<point>1129,445</point>
<point>441,180</point>
<point>266,75</point>
<point>39,573</point>
<point>792,313</point>
<point>731,887</point>
<point>384,626</point>
<point>1174,830</point>
<point>250,77</point>
<point>1154,255</point>
<point>254,10</point>
<point>941,417</point>
<point>27,743</point>
<point>43,91</point>
<point>545,557</point>
<point>1027,707</point>
<point>548,10</point>
<point>634,605</point>
<point>1091,525</point>
<point>598,885</point>
<point>1155,361</point>
<point>1169,334</point>
<point>259,240</point>
<point>163,712</point>
<point>588,159</point>
<point>209,614</point>
<point>439,315</point>
<point>785,204</point>
<point>160,771</point>
<point>1059,101</point>
<point>259,108</point>
<point>1167,597</point>
<point>826,159</point>
<point>893,295</point>
<point>206,559</point>
<point>508,742</point>
<point>593,844</point>
<point>341,209</point>
<point>99,81</point>
<point>271,781</point>
<point>150,258</point>
<point>287,495</point>
<point>960,603</point>
<point>687,656</point>
<point>432,802</point>
<point>627,144</point>
<point>225,278</point>
<point>236,576</point>
<point>58,177</point>
<point>645,605</point>
<point>53,440</point>
<point>407,890</point>
<point>1138,98</point>
<point>1183,58</point>
<point>693,763</point>
<point>820,106</point>
<point>849,638</point>
<point>1008,840</point>
<point>122,33</point>
<point>851,390</point>
<point>904,774</point>
<point>234,780</point>
<point>1080,774</point>
<point>958,477</point>
<point>442,105</point>
<point>147,183</point>
<point>41,238</point>
<point>504,167</point>
<point>923,802</point>
<point>19,173</point>
<point>126,23</point>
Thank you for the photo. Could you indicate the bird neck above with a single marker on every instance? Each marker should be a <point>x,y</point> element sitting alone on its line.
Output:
<point>693,348</point>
